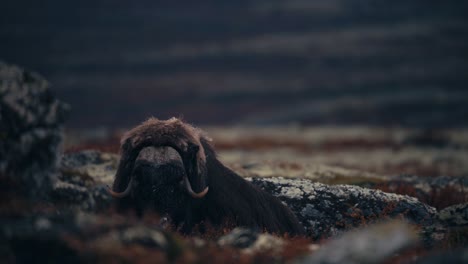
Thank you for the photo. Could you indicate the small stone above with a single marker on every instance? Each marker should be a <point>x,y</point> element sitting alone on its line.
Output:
<point>239,238</point>
<point>368,245</point>
<point>43,224</point>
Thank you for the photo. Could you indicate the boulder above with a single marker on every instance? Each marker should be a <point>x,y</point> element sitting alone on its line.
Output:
<point>83,180</point>
<point>31,120</point>
<point>327,210</point>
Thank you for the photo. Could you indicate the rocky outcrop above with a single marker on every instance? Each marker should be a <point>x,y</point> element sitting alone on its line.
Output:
<point>328,210</point>
<point>83,180</point>
<point>31,121</point>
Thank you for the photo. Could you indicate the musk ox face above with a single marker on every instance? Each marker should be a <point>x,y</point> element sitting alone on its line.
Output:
<point>183,138</point>
<point>158,182</point>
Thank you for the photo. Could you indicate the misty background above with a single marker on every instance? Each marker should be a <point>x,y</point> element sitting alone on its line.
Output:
<point>370,62</point>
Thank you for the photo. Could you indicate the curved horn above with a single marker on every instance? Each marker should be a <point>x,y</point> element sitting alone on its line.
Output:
<point>124,171</point>
<point>191,192</point>
<point>123,194</point>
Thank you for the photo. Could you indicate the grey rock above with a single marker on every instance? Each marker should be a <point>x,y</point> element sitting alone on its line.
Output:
<point>251,241</point>
<point>83,180</point>
<point>329,210</point>
<point>368,245</point>
<point>89,167</point>
<point>239,238</point>
<point>455,215</point>
<point>145,236</point>
<point>81,198</point>
<point>31,120</point>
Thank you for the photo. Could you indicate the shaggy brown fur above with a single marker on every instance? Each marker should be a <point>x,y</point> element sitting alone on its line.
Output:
<point>230,198</point>
<point>174,133</point>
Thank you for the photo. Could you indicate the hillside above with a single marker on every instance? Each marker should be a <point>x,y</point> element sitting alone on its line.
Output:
<point>255,62</point>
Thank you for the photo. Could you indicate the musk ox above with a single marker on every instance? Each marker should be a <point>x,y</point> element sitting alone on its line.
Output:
<point>186,181</point>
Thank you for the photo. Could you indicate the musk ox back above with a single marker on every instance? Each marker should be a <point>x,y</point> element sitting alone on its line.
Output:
<point>172,168</point>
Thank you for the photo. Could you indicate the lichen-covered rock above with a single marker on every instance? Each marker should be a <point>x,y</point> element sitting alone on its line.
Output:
<point>30,130</point>
<point>83,179</point>
<point>239,238</point>
<point>368,245</point>
<point>455,215</point>
<point>89,167</point>
<point>328,210</point>
<point>82,198</point>
<point>454,226</point>
<point>251,241</point>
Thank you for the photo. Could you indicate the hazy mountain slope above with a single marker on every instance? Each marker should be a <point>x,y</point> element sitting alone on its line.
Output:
<point>376,62</point>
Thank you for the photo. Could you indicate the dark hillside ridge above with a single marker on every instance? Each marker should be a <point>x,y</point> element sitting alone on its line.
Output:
<point>260,62</point>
